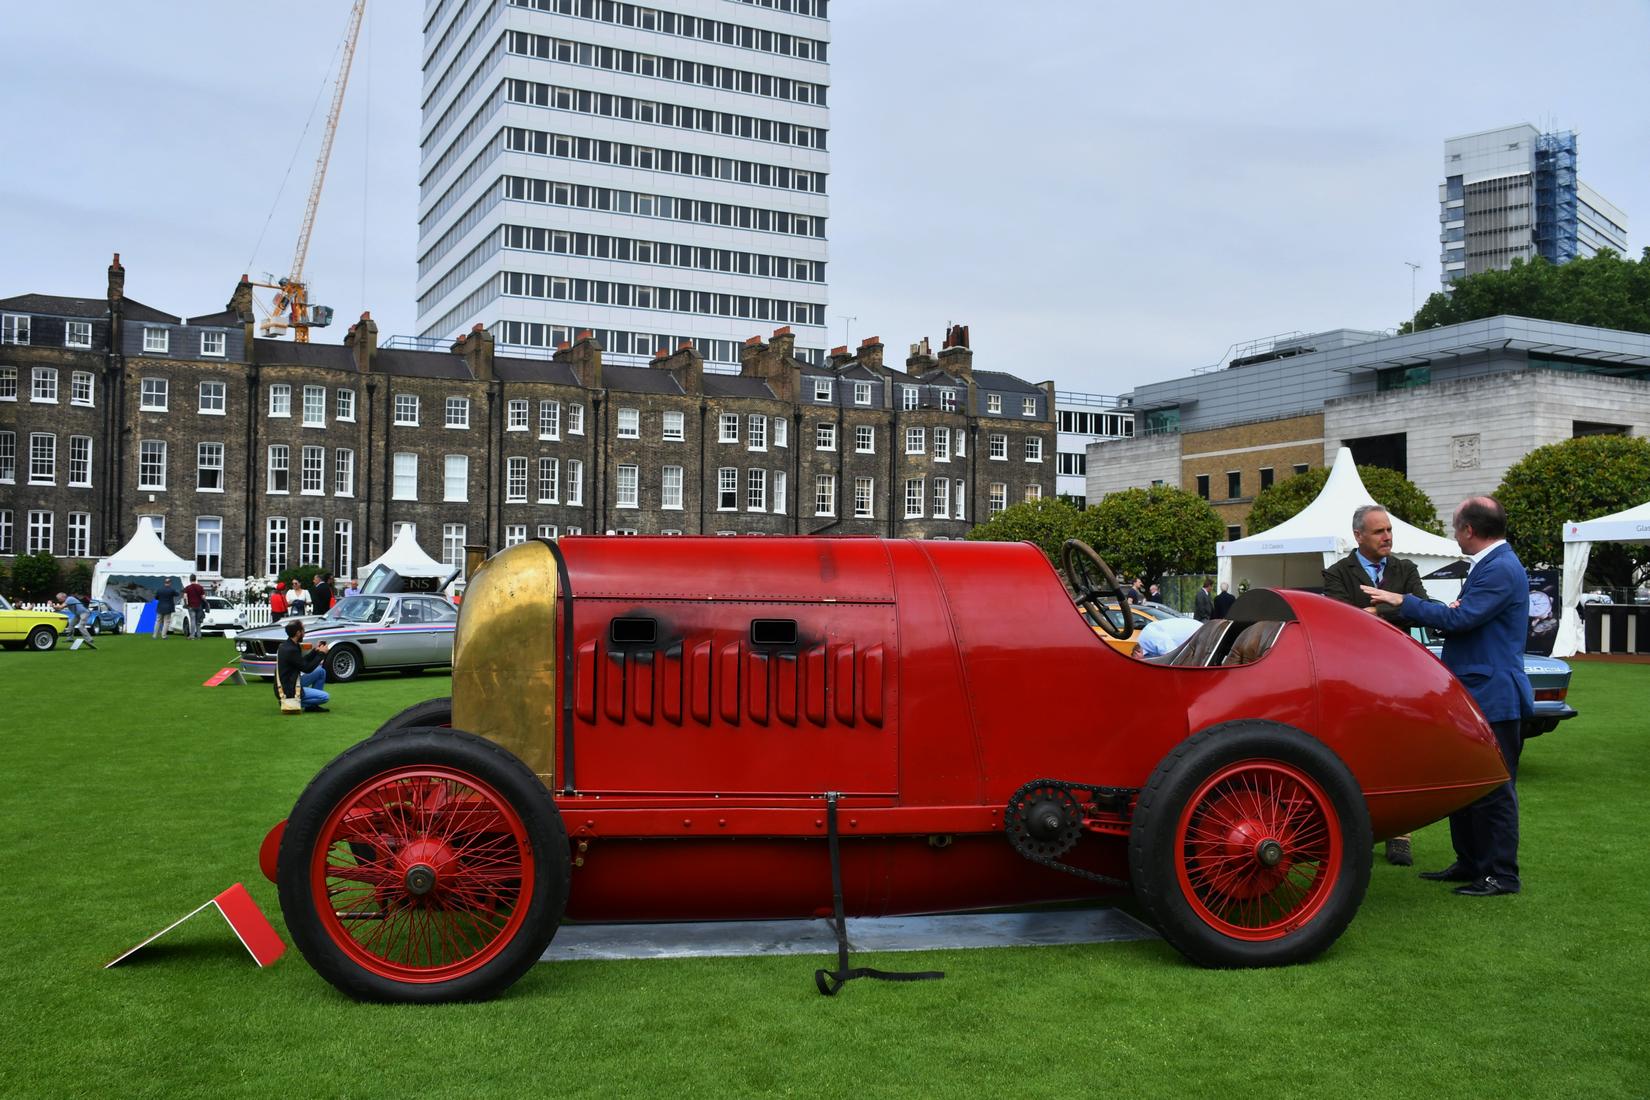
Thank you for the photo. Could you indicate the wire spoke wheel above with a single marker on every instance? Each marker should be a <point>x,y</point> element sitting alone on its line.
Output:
<point>1250,845</point>
<point>422,874</point>
<point>424,865</point>
<point>1259,849</point>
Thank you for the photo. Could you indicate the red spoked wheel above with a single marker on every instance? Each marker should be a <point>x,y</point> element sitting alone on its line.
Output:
<point>1260,849</point>
<point>422,874</point>
<point>1250,846</point>
<point>424,865</point>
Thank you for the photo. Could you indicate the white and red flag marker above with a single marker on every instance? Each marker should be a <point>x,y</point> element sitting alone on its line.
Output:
<point>253,929</point>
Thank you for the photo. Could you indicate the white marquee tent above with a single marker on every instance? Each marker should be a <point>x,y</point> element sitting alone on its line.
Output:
<point>132,574</point>
<point>1295,553</point>
<point>408,559</point>
<point>1631,525</point>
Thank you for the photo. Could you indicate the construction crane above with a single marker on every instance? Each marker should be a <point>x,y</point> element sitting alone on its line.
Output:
<point>292,310</point>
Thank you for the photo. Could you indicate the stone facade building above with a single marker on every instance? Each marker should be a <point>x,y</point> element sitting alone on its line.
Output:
<point>1452,408</point>
<point>255,455</point>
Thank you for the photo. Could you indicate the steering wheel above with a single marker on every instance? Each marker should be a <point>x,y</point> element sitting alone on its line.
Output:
<point>1092,578</point>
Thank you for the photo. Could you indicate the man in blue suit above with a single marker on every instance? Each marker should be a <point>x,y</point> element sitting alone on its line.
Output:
<point>1484,646</point>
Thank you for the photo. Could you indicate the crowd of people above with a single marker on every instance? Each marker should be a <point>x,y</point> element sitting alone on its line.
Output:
<point>300,671</point>
<point>292,598</point>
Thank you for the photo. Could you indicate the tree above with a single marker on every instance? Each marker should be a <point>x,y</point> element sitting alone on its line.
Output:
<point>79,579</point>
<point>1394,491</point>
<point>1577,479</point>
<point>304,573</point>
<point>1048,522</point>
<point>1150,532</point>
<point>1605,290</point>
<point>35,576</point>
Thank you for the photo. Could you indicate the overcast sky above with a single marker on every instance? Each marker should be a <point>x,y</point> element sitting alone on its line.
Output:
<point>1107,194</point>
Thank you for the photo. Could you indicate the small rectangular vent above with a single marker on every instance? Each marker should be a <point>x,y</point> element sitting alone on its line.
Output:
<point>773,632</point>
<point>633,631</point>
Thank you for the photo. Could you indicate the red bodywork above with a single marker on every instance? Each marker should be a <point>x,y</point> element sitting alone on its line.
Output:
<point>928,682</point>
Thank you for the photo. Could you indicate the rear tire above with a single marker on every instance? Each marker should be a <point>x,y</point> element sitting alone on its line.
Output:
<point>1251,846</point>
<point>42,639</point>
<point>431,712</point>
<point>460,888</point>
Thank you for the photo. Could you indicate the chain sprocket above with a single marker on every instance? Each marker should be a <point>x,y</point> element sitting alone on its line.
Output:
<point>1044,821</point>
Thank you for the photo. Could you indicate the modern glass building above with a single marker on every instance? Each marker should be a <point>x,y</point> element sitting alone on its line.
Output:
<point>1513,193</point>
<point>654,174</point>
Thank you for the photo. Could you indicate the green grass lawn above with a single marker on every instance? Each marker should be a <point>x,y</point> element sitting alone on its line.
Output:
<point>132,794</point>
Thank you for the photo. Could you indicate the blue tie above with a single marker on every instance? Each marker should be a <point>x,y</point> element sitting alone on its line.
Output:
<point>1379,567</point>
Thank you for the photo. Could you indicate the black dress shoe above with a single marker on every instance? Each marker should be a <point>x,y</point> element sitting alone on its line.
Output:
<point>316,710</point>
<point>1485,888</point>
<point>1455,872</point>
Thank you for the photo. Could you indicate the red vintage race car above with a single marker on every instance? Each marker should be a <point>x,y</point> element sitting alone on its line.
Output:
<point>678,728</point>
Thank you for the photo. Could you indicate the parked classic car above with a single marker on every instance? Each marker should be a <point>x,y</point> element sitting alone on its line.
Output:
<point>682,728</point>
<point>36,630</point>
<point>1549,677</point>
<point>398,630</point>
<point>221,616</point>
<point>106,617</point>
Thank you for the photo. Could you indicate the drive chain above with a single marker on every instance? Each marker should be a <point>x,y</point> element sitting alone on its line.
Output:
<point>1116,799</point>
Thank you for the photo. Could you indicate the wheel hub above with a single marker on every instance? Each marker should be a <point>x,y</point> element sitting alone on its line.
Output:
<point>420,879</point>
<point>1248,850</point>
<point>423,866</point>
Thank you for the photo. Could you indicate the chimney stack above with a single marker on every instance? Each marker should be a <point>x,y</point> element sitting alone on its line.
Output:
<point>117,280</point>
<point>783,342</point>
<point>585,357</point>
<point>685,365</point>
<point>839,356</point>
<point>773,364</point>
<point>958,362</point>
<point>364,345</point>
<point>921,358</point>
<point>476,346</point>
<point>870,352</point>
<point>240,301</point>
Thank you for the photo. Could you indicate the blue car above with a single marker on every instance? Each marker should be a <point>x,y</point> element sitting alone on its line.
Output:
<point>106,617</point>
<point>1549,676</point>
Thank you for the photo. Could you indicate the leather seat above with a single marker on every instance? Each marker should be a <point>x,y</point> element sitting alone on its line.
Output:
<point>1251,645</point>
<point>1202,648</point>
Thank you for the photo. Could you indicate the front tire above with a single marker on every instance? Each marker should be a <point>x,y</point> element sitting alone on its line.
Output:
<point>1251,846</point>
<point>344,664</point>
<point>42,639</point>
<point>424,866</point>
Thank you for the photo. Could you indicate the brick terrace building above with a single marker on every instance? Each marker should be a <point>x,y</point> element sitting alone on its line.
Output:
<point>265,454</point>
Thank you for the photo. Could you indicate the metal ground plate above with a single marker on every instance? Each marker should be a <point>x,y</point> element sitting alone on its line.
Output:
<point>813,937</point>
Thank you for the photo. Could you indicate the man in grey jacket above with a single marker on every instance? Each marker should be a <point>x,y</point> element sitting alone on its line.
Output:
<point>1372,563</point>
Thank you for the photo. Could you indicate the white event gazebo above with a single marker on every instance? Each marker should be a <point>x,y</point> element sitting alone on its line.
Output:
<point>1295,553</point>
<point>1630,525</point>
<point>406,558</point>
<point>130,577</point>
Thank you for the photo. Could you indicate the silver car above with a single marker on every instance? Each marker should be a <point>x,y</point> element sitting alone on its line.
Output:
<point>400,630</point>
